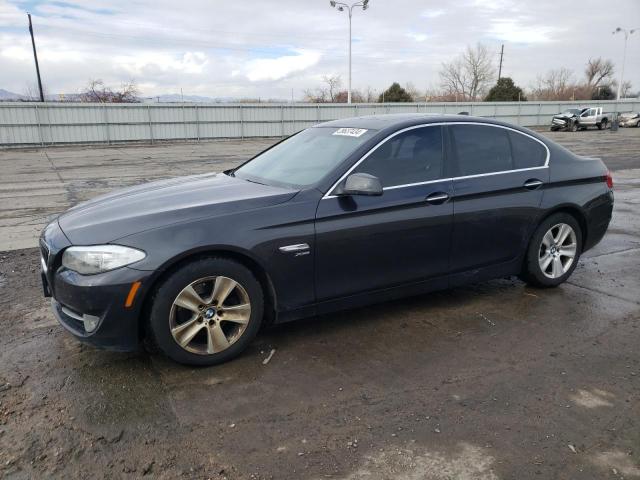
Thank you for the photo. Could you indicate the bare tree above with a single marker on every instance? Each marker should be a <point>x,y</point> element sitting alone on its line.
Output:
<point>555,85</point>
<point>468,76</point>
<point>625,91</point>
<point>370,95</point>
<point>319,95</point>
<point>598,72</point>
<point>97,92</point>
<point>334,82</point>
<point>413,91</point>
<point>342,96</point>
<point>32,92</point>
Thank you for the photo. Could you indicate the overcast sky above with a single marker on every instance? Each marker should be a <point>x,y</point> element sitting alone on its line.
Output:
<point>265,48</point>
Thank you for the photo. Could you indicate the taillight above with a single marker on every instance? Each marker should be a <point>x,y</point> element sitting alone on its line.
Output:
<point>609,179</point>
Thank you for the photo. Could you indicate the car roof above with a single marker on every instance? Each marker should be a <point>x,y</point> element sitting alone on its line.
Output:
<point>396,121</point>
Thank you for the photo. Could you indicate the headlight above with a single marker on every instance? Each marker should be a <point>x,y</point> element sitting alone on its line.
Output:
<point>99,258</point>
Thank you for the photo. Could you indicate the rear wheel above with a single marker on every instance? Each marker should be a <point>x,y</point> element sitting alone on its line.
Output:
<point>207,311</point>
<point>603,124</point>
<point>553,252</point>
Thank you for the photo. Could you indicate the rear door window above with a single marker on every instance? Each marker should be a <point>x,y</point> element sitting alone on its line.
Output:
<point>481,149</point>
<point>526,152</point>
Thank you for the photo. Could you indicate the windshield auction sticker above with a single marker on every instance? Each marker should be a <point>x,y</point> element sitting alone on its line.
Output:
<point>350,132</point>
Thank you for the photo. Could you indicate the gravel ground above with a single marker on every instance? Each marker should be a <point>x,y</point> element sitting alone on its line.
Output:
<point>491,381</point>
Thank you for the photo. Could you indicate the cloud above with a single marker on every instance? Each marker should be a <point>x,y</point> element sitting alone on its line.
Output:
<point>518,32</point>
<point>417,37</point>
<point>140,65</point>
<point>432,13</point>
<point>277,68</point>
<point>268,48</point>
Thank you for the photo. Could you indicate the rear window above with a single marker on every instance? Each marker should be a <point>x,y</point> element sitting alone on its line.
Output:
<point>526,152</point>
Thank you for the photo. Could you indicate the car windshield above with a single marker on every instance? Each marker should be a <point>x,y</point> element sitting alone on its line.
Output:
<point>572,111</point>
<point>305,158</point>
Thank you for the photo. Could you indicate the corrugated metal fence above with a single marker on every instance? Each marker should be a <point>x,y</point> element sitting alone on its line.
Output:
<point>42,124</point>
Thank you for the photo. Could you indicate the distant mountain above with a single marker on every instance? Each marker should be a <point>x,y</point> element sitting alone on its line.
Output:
<point>6,95</point>
<point>177,98</point>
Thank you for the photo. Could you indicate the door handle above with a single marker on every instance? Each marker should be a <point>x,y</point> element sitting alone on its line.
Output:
<point>298,249</point>
<point>437,198</point>
<point>532,184</point>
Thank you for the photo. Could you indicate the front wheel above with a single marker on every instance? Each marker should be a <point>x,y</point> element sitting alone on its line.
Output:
<point>206,312</point>
<point>554,251</point>
<point>573,127</point>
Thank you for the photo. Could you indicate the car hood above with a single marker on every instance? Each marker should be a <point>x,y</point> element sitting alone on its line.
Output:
<point>127,211</point>
<point>563,115</point>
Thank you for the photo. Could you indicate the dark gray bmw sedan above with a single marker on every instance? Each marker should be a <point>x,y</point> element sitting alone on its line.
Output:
<point>344,214</point>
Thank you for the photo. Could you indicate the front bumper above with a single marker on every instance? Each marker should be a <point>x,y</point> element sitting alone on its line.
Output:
<point>80,300</point>
<point>98,298</point>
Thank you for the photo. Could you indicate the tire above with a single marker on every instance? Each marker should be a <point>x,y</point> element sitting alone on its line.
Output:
<point>199,321</point>
<point>602,125</point>
<point>573,127</point>
<point>542,247</point>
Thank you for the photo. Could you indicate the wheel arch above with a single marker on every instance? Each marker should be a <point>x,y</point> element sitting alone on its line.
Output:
<point>573,210</point>
<point>240,256</point>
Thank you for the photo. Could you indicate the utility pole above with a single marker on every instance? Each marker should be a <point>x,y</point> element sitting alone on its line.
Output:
<point>500,68</point>
<point>35,56</point>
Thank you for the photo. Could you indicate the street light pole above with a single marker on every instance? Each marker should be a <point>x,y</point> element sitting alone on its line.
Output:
<point>349,8</point>
<point>624,54</point>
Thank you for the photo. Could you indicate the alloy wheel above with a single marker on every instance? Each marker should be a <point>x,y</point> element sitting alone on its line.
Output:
<point>209,315</point>
<point>557,250</point>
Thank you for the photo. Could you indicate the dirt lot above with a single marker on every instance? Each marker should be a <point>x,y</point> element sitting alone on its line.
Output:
<point>492,381</point>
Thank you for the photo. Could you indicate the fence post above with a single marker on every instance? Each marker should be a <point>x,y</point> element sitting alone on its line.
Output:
<point>150,125</point>
<point>49,123</point>
<point>282,120</point>
<point>39,126</point>
<point>538,114</point>
<point>106,123</point>
<point>184,123</point>
<point>519,110</point>
<point>197,123</point>
<point>241,123</point>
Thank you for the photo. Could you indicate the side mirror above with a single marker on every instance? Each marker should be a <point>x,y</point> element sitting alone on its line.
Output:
<point>361,184</point>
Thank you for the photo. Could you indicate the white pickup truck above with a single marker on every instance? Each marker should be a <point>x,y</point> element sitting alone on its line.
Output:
<point>574,119</point>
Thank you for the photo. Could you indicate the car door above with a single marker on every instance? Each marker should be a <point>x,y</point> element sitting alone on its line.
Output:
<point>498,190</point>
<point>366,243</point>
<point>588,117</point>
